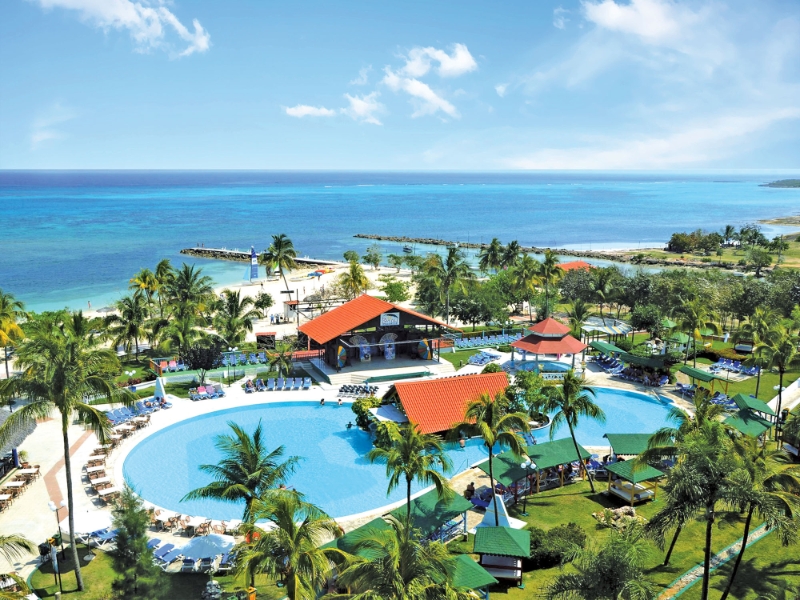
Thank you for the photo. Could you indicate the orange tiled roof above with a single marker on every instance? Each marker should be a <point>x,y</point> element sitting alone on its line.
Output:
<point>550,328</point>
<point>575,264</point>
<point>439,404</point>
<point>538,345</point>
<point>350,315</point>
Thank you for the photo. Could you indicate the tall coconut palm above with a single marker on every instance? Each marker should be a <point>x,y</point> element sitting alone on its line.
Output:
<point>235,316</point>
<point>127,326</point>
<point>489,419</point>
<point>490,258</point>
<point>189,290</point>
<point>62,366</point>
<point>768,488</point>
<point>354,281</point>
<point>391,564</point>
<point>756,330</point>
<point>11,311</point>
<point>602,288</point>
<point>146,282</point>
<point>14,547</point>
<point>183,331</point>
<point>729,233</point>
<point>290,549</point>
<point>412,456</point>
<point>550,273</point>
<point>694,316</point>
<point>165,274</point>
<point>526,274</point>
<point>511,254</point>
<point>577,312</point>
<point>779,350</point>
<point>569,402</point>
<point>451,272</point>
<point>280,358</point>
<point>246,471</point>
<point>280,255</point>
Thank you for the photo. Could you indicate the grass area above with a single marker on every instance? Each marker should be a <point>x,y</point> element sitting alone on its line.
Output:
<point>98,575</point>
<point>790,257</point>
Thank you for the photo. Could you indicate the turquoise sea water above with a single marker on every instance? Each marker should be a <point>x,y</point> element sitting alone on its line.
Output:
<point>333,473</point>
<point>72,237</point>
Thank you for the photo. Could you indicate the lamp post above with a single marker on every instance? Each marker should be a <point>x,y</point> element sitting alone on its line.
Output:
<point>234,350</point>
<point>55,508</point>
<point>529,466</point>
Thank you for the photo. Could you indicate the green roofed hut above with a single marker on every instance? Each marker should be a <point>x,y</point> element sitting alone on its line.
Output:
<point>469,574</point>
<point>501,551</point>
<point>749,423</point>
<point>349,541</point>
<point>436,519</point>
<point>651,362</point>
<point>640,483</point>
<point>627,444</point>
<point>704,376</point>
<point>606,347</point>
<point>754,404</point>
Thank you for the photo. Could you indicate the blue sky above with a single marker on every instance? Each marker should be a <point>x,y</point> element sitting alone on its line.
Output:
<point>573,84</point>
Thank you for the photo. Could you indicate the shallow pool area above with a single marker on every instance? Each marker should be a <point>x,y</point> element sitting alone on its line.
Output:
<point>333,472</point>
<point>544,366</point>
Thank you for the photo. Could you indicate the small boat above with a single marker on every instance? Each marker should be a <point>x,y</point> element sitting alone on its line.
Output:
<point>408,249</point>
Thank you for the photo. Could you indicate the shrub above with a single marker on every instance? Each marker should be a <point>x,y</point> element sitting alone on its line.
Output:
<point>492,368</point>
<point>361,409</point>
<point>713,354</point>
<point>548,548</point>
<point>624,344</point>
<point>504,348</point>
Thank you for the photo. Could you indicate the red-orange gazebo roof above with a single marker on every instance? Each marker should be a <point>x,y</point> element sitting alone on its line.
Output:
<point>538,345</point>
<point>550,328</point>
<point>575,264</point>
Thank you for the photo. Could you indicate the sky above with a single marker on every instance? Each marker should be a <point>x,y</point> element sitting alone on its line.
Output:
<point>467,85</point>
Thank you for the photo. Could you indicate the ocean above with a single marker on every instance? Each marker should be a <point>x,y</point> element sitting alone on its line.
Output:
<point>70,237</point>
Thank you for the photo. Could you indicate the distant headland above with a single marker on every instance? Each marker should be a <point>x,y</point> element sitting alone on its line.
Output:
<point>783,183</point>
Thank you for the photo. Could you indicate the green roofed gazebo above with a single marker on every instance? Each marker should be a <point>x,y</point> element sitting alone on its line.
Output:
<point>748,423</point>
<point>469,574</point>
<point>605,347</point>
<point>668,323</point>
<point>349,541</point>
<point>628,444</point>
<point>652,362</point>
<point>704,376</point>
<point>501,550</point>
<point>754,404</point>
<point>429,514</point>
<point>679,338</point>
<point>641,483</point>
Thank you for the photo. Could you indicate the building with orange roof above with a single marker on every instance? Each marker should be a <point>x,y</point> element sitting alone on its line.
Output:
<point>368,328</point>
<point>549,337</point>
<point>575,264</point>
<point>437,405</point>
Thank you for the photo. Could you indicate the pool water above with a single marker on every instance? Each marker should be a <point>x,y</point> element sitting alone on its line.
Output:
<point>544,366</point>
<point>333,472</point>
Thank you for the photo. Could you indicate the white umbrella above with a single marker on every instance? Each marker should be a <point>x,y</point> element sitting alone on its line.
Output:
<point>88,521</point>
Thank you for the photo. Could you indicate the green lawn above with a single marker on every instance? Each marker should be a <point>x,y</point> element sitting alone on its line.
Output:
<point>98,575</point>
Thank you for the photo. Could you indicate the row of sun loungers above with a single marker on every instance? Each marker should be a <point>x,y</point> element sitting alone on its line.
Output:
<point>358,391</point>
<point>172,366</point>
<point>648,380</point>
<point>492,340</point>
<point>272,385</point>
<point>481,358</point>
<point>734,366</point>
<point>125,414</point>
<point>206,392</point>
<point>232,360</point>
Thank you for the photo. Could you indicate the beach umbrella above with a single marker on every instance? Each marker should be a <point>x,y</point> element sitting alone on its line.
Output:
<point>88,521</point>
<point>424,349</point>
<point>160,392</point>
<point>208,546</point>
<point>341,356</point>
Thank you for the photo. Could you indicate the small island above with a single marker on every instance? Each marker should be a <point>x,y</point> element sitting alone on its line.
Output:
<point>783,183</point>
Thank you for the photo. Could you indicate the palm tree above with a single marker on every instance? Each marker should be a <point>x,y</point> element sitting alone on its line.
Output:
<point>392,564</point>
<point>145,281</point>
<point>767,488</point>
<point>510,254</point>
<point>570,401</point>
<point>11,311</point>
<point>189,290</point>
<point>779,350</point>
<point>488,419</point>
<point>246,470</point>
<point>729,233</point>
<point>694,316</point>
<point>451,272</point>
<point>183,331</point>
<point>290,549</point>
<point>235,316</point>
<point>602,288</point>
<point>526,274</point>
<point>615,570</point>
<point>756,330</point>
<point>63,366</point>
<point>414,455</point>
<point>578,312</point>
<point>280,255</point>
<point>354,281</point>
<point>127,327</point>
<point>491,256</point>
<point>280,359</point>
<point>14,547</point>
<point>549,274</point>
<point>165,274</point>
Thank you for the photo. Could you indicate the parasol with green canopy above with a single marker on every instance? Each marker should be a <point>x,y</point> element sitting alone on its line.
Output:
<point>704,376</point>
<point>753,404</point>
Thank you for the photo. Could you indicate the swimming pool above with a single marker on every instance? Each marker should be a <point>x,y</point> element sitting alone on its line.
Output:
<point>544,366</point>
<point>333,474</point>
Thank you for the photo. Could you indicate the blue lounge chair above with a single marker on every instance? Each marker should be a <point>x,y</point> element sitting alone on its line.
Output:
<point>479,503</point>
<point>307,383</point>
<point>105,538</point>
<point>260,385</point>
<point>206,564</point>
<point>154,543</point>
<point>163,551</point>
<point>225,563</point>
<point>270,385</point>
<point>170,557</point>
<point>190,565</point>
<point>280,383</point>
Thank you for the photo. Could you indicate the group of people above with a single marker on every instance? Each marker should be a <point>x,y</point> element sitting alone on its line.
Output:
<point>259,385</point>
<point>275,319</point>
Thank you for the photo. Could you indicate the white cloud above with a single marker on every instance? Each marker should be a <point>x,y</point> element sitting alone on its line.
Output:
<point>363,76</point>
<point>501,88</point>
<point>691,144</point>
<point>424,99</point>
<point>655,21</point>
<point>364,108</point>
<point>147,24</point>
<point>304,110</point>
<point>459,62</point>
<point>559,19</point>
<point>43,128</point>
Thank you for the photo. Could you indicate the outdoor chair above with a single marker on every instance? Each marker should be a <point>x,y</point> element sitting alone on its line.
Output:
<point>307,383</point>
<point>189,565</point>
<point>270,385</point>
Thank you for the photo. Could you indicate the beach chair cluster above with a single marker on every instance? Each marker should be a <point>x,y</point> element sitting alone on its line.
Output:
<point>289,384</point>
<point>734,366</point>
<point>206,392</point>
<point>166,554</point>
<point>641,377</point>
<point>172,366</point>
<point>233,360</point>
<point>723,400</point>
<point>16,484</point>
<point>137,415</point>
<point>481,358</point>
<point>100,484</point>
<point>684,390</point>
<point>609,364</point>
<point>357,391</point>
<point>490,340</point>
